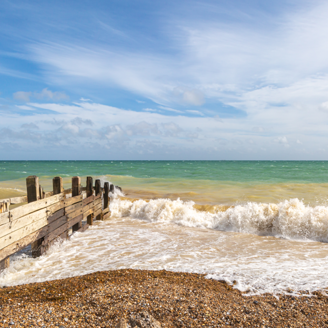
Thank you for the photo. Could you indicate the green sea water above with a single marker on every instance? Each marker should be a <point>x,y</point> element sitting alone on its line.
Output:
<point>206,182</point>
<point>235,171</point>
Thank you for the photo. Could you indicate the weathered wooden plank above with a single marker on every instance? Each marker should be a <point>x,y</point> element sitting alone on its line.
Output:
<point>88,200</point>
<point>73,200</point>
<point>22,243</point>
<point>106,216</point>
<point>10,227</point>
<point>87,213</point>
<point>97,208</point>
<point>55,207</point>
<point>67,225</point>
<point>23,232</point>
<point>87,207</point>
<point>105,211</point>
<point>70,223</point>
<point>73,207</point>
<point>56,224</point>
<point>17,200</point>
<point>97,202</point>
<point>34,206</point>
<point>56,216</point>
<point>96,213</point>
<point>74,214</point>
<point>54,234</point>
<point>97,197</point>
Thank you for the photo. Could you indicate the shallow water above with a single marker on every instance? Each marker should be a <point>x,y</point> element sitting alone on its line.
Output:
<point>258,264</point>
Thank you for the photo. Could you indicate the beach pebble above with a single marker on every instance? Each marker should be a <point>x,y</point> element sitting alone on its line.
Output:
<point>153,299</point>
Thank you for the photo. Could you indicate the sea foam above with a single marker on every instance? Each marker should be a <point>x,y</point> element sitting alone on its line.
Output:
<point>290,219</point>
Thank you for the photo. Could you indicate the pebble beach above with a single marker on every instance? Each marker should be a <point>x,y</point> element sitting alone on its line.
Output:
<point>140,298</point>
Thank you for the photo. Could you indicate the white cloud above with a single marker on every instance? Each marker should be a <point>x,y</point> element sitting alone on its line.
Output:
<point>171,109</point>
<point>47,94</point>
<point>44,94</point>
<point>193,111</point>
<point>22,96</point>
<point>150,110</point>
<point>188,96</point>
<point>25,107</point>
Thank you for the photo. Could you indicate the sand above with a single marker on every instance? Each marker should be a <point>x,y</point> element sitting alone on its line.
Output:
<point>102,299</point>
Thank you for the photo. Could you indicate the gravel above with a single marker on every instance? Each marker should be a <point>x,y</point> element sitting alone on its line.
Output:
<point>169,299</point>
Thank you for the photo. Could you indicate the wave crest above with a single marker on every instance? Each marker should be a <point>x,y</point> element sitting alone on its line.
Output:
<point>290,219</point>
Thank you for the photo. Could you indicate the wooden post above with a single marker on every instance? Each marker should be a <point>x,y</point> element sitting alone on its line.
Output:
<point>106,194</point>
<point>98,192</point>
<point>32,186</point>
<point>89,186</point>
<point>57,184</point>
<point>41,193</point>
<point>33,194</point>
<point>4,207</point>
<point>111,188</point>
<point>76,190</point>
<point>89,193</point>
<point>97,187</point>
<point>58,188</point>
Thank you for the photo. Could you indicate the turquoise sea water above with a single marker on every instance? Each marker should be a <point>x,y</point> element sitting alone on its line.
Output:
<point>235,171</point>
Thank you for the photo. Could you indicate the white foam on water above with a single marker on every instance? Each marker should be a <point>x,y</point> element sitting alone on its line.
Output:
<point>172,235</point>
<point>291,219</point>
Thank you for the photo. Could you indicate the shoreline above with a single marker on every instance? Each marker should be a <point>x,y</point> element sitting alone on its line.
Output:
<point>174,299</point>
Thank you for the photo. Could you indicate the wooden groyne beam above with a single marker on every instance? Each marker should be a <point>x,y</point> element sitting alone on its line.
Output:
<point>50,216</point>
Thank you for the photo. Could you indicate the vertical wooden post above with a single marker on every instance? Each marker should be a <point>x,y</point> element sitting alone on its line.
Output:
<point>57,185</point>
<point>111,188</point>
<point>89,186</point>
<point>89,193</point>
<point>4,207</point>
<point>76,190</point>
<point>106,194</point>
<point>57,188</point>
<point>97,187</point>
<point>97,192</point>
<point>32,186</point>
<point>76,186</point>
<point>33,194</point>
<point>41,193</point>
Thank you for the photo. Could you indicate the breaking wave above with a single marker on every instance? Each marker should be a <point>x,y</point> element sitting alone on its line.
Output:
<point>290,219</point>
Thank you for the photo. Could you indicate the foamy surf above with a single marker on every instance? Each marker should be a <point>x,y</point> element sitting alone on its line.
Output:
<point>291,219</point>
<point>257,264</point>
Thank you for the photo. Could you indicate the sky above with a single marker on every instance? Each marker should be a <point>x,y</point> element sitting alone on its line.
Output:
<point>164,80</point>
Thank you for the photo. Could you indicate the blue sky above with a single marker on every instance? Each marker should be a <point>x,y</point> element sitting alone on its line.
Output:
<point>163,79</point>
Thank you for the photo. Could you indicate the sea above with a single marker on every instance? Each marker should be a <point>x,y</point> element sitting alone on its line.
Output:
<point>262,226</point>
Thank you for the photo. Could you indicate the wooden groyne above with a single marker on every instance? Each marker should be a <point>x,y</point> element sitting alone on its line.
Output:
<point>48,216</point>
